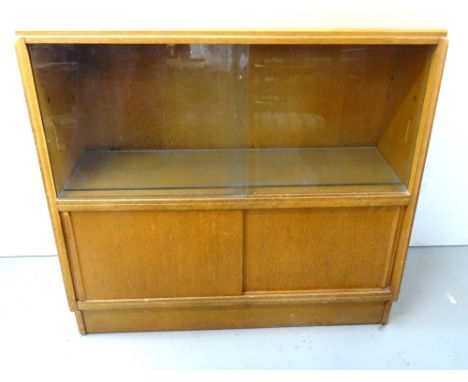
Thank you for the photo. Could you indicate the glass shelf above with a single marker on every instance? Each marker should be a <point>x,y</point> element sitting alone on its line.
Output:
<point>235,169</point>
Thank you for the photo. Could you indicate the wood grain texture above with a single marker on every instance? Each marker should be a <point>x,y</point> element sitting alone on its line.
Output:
<point>319,248</point>
<point>100,321</point>
<point>160,96</point>
<point>299,95</point>
<point>159,254</point>
<point>402,117</point>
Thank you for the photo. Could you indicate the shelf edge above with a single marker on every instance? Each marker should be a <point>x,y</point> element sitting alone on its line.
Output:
<point>351,199</point>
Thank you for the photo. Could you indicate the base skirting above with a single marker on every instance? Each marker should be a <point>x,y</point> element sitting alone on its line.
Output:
<point>242,316</point>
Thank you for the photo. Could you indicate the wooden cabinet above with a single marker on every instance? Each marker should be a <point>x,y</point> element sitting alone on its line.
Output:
<point>231,179</point>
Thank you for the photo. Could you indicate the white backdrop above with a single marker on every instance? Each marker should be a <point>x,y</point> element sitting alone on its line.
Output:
<point>443,207</point>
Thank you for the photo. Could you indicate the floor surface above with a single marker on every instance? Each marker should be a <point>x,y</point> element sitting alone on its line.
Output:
<point>428,328</point>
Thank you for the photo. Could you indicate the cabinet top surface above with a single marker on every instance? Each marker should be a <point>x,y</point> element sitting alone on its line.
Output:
<point>263,36</point>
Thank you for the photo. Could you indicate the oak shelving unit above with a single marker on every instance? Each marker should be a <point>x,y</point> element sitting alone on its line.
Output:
<point>231,179</point>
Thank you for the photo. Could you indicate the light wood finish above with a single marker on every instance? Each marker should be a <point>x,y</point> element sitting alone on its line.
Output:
<point>158,254</point>
<point>186,170</point>
<point>319,248</point>
<point>98,321</point>
<point>420,153</point>
<point>402,118</point>
<point>327,196</point>
<point>80,322</point>
<point>211,239</point>
<point>247,299</point>
<point>386,313</point>
<point>325,36</point>
<point>44,162</point>
<point>73,257</point>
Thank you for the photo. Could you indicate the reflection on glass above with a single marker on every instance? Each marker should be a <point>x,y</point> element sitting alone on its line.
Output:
<point>227,119</point>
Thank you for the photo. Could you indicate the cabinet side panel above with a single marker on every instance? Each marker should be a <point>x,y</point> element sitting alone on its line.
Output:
<point>422,142</point>
<point>45,166</point>
<point>403,108</point>
<point>330,248</point>
<point>57,79</point>
<point>125,255</point>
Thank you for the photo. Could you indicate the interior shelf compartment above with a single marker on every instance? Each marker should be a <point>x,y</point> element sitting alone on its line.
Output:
<point>98,171</point>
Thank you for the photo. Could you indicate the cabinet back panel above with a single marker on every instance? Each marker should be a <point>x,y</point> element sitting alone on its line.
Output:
<point>161,96</point>
<point>304,96</point>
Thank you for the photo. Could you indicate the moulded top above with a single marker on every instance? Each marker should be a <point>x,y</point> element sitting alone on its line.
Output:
<point>246,36</point>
